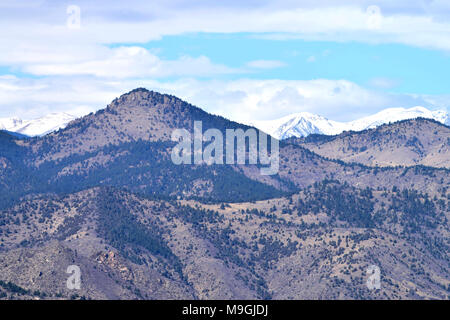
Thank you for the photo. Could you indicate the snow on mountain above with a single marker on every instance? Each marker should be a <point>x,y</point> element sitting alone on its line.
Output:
<point>297,125</point>
<point>397,114</point>
<point>37,127</point>
<point>6,123</point>
<point>304,123</point>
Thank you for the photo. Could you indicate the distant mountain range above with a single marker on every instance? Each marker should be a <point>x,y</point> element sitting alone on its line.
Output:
<point>295,125</point>
<point>407,142</point>
<point>305,123</point>
<point>37,127</point>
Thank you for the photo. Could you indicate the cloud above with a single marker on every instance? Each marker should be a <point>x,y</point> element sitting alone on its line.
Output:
<point>83,69</point>
<point>127,62</point>
<point>35,34</point>
<point>311,59</point>
<point>240,100</point>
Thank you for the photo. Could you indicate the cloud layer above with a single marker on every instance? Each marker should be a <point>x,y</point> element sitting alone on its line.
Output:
<point>240,100</point>
<point>62,63</point>
<point>37,37</point>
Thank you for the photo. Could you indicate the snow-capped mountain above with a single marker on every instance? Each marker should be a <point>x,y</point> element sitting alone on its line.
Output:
<point>299,125</point>
<point>294,125</point>
<point>304,123</point>
<point>397,114</point>
<point>37,127</point>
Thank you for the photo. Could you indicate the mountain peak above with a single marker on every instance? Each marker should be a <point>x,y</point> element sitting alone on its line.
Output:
<point>39,126</point>
<point>144,97</point>
<point>142,104</point>
<point>140,89</point>
<point>304,123</point>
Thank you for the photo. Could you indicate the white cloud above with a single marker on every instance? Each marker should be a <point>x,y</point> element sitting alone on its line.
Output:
<point>311,59</point>
<point>35,36</point>
<point>239,100</point>
<point>83,71</point>
<point>126,62</point>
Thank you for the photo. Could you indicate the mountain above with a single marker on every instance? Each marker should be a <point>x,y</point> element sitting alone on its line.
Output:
<point>296,125</point>
<point>104,194</point>
<point>37,127</point>
<point>304,123</point>
<point>408,142</point>
<point>128,145</point>
<point>133,247</point>
<point>299,125</point>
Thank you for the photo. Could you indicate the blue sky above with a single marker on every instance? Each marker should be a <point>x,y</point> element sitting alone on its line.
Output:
<point>405,69</point>
<point>247,61</point>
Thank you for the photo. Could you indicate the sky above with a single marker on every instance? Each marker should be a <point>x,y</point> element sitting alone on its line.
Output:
<point>245,60</point>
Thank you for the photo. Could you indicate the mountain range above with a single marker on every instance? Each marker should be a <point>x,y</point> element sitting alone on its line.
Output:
<point>295,125</point>
<point>37,127</point>
<point>103,194</point>
<point>304,123</point>
<point>407,142</point>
